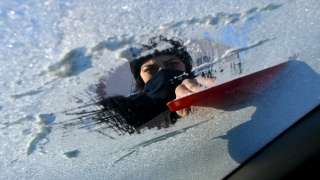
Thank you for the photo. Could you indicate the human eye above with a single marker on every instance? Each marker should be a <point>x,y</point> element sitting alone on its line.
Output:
<point>150,70</point>
<point>173,64</point>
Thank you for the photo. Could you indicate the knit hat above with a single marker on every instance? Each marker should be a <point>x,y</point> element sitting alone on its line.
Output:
<point>158,46</point>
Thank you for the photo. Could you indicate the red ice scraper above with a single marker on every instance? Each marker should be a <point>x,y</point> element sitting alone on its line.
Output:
<point>229,92</point>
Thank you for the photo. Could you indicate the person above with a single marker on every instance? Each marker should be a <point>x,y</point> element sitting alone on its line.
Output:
<point>162,72</point>
<point>153,65</point>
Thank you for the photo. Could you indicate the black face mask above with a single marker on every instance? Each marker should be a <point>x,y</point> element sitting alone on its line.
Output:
<point>160,89</point>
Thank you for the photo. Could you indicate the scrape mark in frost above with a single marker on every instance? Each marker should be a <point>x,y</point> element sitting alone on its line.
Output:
<point>221,17</point>
<point>231,52</point>
<point>72,154</point>
<point>40,138</point>
<point>73,63</point>
<point>30,93</point>
<point>113,43</point>
<point>155,140</point>
<point>17,122</point>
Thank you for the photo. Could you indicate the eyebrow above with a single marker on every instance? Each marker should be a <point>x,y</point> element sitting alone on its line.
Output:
<point>166,61</point>
<point>148,65</point>
<point>170,59</point>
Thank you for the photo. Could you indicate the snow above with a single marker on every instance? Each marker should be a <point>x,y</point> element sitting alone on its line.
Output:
<point>54,53</point>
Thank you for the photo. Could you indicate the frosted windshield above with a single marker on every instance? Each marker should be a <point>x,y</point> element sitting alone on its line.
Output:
<point>55,55</point>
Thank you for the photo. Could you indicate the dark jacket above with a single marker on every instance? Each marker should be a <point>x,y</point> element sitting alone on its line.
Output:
<point>135,112</point>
